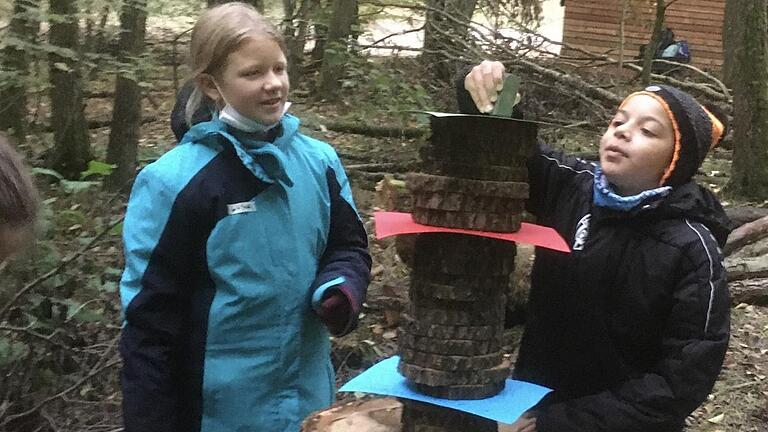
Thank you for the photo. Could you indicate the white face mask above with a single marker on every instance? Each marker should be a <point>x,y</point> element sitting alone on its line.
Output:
<point>232,117</point>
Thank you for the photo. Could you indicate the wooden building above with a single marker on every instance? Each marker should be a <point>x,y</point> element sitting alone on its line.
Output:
<point>595,25</point>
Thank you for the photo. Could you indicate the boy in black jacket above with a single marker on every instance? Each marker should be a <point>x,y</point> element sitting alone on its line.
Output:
<point>631,328</point>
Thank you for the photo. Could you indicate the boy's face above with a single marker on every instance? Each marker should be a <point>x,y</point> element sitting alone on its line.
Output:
<point>637,147</point>
<point>254,80</point>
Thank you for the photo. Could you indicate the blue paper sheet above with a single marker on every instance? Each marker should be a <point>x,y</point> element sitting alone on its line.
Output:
<point>384,379</point>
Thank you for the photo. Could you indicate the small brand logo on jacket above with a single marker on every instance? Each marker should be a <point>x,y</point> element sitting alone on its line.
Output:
<point>243,207</point>
<point>582,232</point>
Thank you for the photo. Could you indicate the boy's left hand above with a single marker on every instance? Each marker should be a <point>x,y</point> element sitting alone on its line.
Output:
<point>334,311</point>
<point>526,423</point>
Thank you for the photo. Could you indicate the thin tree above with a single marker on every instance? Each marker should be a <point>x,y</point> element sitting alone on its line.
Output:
<point>337,42</point>
<point>447,21</point>
<point>653,45</point>
<point>14,59</point>
<point>295,30</point>
<point>749,75</point>
<point>71,150</point>
<point>126,115</point>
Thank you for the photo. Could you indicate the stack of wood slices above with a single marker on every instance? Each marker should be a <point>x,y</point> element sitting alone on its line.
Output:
<point>451,340</point>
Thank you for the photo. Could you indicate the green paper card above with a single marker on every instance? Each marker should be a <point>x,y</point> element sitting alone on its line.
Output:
<point>507,98</point>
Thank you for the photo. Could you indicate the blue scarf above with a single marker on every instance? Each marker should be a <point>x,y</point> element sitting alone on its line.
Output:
<point>604,196</point>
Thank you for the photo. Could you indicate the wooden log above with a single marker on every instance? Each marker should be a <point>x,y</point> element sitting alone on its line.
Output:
<point>754,292</point>
<point>434,377</point>
<point>745,214</point>
<point>747,268</point>
<point>374,415</point>
<point>745,234</point>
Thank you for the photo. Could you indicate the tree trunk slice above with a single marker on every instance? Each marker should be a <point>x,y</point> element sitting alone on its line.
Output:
<point>456,201</point>
<point>493,222</point>
<point>450,362</point>
<point>478,172</point>
<point>447,347</point>
<point>462,255</point>
<point>492,316</point>
<point>418,182</point>
<point>438,331</point>
<point>479,134</point>
<point>434,377</point>
<point>421,290</point>
<point>470,392</point>
<point>467,265</point>
<point>474,308</point>
<point>433,154</point>
<point>482,283</point>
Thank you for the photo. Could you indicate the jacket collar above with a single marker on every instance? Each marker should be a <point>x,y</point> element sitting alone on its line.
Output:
<point>265,159</point>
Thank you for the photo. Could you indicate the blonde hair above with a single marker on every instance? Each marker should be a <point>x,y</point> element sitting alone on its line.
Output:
<point>18,196</point>
<point>217,33</point>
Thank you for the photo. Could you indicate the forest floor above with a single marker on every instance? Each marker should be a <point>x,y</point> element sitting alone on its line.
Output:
<point>739,401</point>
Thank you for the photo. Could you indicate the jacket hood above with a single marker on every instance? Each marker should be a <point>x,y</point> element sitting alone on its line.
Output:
<point>700,204</point>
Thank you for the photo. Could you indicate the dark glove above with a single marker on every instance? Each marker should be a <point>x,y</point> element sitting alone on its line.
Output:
<point>334,311</point>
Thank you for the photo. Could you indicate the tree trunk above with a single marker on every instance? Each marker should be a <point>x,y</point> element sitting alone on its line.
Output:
<point>126,115</point>
<point>295,32</point>
<point>336,48</point>
<point>653,44</point>
<point>731,36</point>
<point>71,151</point>
<point>13,92</point>
<point>750,101</point>
<point>442,35</point>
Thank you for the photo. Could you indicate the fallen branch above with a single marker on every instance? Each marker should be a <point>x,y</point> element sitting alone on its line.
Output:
<point>744,214</point>
<point>375,167</point>
<point>97,124</point>
<point>746,234</point>
<point>374,176</point>
<point>747,268</point>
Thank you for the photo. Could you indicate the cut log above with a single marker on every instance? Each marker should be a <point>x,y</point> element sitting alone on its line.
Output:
<point>748,268</point>
<point>754,292</point>
<point>377,415</point>
<point>745,234</point>
<point>745,214</point>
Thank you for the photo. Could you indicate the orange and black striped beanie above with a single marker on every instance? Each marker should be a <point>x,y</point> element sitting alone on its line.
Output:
<point>696,131</point>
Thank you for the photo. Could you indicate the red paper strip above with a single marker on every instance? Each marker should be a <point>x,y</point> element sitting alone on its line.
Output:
<point>394,223</point>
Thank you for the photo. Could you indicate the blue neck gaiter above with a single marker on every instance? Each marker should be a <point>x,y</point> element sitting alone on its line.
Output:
<point>604,196</point>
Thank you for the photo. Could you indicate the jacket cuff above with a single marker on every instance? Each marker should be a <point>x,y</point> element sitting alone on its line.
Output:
<point>319,294</point>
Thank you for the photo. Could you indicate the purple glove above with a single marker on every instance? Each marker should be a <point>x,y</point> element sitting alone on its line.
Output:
<point>335,310</point>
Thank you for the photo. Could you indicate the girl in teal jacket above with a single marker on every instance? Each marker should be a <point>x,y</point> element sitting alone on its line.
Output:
<point>243,248</point>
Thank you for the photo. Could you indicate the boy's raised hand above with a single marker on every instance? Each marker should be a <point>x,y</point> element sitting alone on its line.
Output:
<point>484,82</point>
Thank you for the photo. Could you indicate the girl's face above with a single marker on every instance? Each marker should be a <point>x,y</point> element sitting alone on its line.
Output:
<point>637,147</point>
<point>254,80</point>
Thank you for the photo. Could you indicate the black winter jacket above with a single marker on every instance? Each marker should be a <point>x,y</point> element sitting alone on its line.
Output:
<point>631,328</point>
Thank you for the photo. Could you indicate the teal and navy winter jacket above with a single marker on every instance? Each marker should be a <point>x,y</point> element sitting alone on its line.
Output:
<point>230,242</point>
